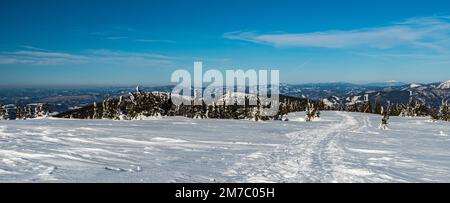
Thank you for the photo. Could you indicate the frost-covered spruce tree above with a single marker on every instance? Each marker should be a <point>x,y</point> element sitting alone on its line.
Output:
<point>411,108</point>
<point>283,110</point>
<point>314,110</point>
<point>421,109</point>
<point>367,107</point>
<point>378,108</point>
<point>168,106</point>
<point>446,115</point>
<point>105,106</point>
<point>256,110</point>
<point>244,111</point>
<point>196,111</point>
<point>444,112</point>
<point>109,109</point>
<point>29,112</point>
<point>42,110</point>
<point>234,110</point>
<point>352,108</point>
<point>308,114</point>
<point>256,115</point>
<point>222,109</point>
<point>211,111</point>
<point>96,114</point>
<point>393,111</point>
<point>403,110</point>
<point>2,112</point>
<point>138,89</point>
<point>121,109</point>
<point>19,113</point>
<point>216,111</point>
<point>7,115</point>
<point>204,110</point>
<point>226,109</point>
<point>317,113</point>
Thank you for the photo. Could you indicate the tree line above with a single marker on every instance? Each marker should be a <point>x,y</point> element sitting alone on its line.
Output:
<point>14,112</point>
<point>414,108</point>
<point>139,105</point>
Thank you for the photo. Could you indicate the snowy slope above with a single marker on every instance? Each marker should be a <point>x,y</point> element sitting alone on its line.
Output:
<point>444,85</point>
<point>340,147</point>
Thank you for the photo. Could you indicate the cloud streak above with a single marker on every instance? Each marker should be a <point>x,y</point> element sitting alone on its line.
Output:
<point>155,41</point>
<point>37,57</point>
<point>428,32</point>
<point>99,56</point>
<point>32,48</point>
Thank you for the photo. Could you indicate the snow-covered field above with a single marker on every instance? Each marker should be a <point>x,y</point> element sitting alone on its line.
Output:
<point>340,147</point>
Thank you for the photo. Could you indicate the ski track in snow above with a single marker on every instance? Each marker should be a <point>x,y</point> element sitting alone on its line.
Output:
<point>339,147</point>
<point>305,159</point>
<point>323,155</point>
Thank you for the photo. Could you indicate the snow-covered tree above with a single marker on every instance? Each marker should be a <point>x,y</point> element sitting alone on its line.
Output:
<point>378,108</point>
<point>138,89</point>
<point>41,110</point>
<point>256,114</point>
<point>3,112</point>
<point>367,107</point>
<point>444,111</point>
<point>309,115</point>
<point>96,110</point>
<point>317,113</point>
<point>20,114</point>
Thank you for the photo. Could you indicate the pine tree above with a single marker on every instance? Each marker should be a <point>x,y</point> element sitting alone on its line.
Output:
<point>367,107</point>
<point>2,112</point>
<point>42,110</point>
<point>29,112</point>
<point>317,112</point>
<point>96,114</point>
<point>378,108</point>
<point>446,116</point>
<point>19,113</point>
<point>444,112</point>
<point>308,116</point>
<point>105,108</point>
<point>256,115</point>
<point>6,115</point>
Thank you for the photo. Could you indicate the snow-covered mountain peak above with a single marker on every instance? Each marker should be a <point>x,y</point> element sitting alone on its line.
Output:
<point>414,85</point>
<point>444,85</point>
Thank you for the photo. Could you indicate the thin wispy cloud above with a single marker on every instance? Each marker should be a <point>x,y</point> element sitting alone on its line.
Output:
<point>418,33</point>
<point>129,34</point>
<point>155,41</point>
<point>114,33</point>
<point>42,54</point>
<point>116,38</point>
<point>99,56</point>
<point>129,58</point>
<point>39,57</point>
<point>32,48</point>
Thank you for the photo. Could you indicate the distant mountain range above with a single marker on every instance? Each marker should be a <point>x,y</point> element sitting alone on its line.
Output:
<point>333,93</point>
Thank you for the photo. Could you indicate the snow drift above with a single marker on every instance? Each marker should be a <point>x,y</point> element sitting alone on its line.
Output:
<point>339,147</point>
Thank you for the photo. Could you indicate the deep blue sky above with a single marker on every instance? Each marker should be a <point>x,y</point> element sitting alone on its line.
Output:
<point>127,42</point>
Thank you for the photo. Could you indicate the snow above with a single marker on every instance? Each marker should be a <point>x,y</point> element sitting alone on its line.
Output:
<point>444,85</point>
<point>327,102</point>
<point>339,147</point>
<point>414,85</point>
